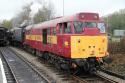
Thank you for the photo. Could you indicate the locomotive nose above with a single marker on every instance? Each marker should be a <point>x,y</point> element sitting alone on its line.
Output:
<point>88,46</point>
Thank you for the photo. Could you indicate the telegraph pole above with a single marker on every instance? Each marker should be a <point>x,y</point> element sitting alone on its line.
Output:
<point>63,7</point>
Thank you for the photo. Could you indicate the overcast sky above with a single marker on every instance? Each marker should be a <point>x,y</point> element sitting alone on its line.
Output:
<point>9,8</point>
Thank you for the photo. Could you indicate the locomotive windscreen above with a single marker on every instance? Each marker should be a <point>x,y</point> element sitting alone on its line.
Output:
<point>101,27</point>
<point>80,25</point>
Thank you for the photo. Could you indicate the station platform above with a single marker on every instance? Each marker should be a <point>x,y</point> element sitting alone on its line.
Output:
<point>2,73</point>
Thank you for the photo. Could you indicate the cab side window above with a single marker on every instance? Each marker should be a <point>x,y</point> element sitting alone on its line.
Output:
<point>60,28</point>
<point>54,30</point>
<point>67,28</point>
<point>48,31</point>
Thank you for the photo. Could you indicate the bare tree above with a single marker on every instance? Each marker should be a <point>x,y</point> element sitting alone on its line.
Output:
<point>46,12</point>
<point>22,16</point>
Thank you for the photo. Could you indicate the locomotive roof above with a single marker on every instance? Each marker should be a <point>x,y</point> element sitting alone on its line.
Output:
<point>54,22</point>
<point>51,23</point>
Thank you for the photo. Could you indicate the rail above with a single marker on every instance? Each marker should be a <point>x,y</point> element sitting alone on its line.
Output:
<point>28,66</point>
<point>110,76</point>
<point>78,79</point>
<point>13,77</point>
<point>112,73</point>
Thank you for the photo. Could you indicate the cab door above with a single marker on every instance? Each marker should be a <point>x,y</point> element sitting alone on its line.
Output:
<point>44,35</point>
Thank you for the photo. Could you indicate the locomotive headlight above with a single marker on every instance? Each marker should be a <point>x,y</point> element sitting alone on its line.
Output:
<point>99,59</point>
<point>106,53</point>
<point>66,43</point>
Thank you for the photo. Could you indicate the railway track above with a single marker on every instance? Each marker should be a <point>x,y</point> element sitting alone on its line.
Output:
<point>90,79</point>
<point>98,77</point>
<point>21,71</point>
<point>112,73</point>
<point>95,78</point>
<point>84,78</point>
<point>9,74</point>
<point>101,76</point>
<point>110,76</point>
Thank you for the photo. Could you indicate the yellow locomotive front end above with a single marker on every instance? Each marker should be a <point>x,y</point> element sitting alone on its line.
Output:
<point>89,46</point>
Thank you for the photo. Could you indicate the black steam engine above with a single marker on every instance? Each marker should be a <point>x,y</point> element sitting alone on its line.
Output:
<point>4,36</point>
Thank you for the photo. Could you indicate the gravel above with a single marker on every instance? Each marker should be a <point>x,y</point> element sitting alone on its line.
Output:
<point>118,64</point>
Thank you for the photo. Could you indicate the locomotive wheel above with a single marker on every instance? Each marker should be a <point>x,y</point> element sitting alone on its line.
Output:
<point>46,56</point>
<point>86,67</point>
<point>65,66</point>
<point>57,66</point>
<point>33,51</point>
<point>50,60</point>
<point>92,70</point>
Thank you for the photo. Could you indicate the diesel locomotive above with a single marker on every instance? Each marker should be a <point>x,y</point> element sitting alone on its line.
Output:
<point>72,42</point>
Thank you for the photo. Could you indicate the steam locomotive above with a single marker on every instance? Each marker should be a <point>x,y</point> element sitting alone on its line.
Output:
<point>4,36</point>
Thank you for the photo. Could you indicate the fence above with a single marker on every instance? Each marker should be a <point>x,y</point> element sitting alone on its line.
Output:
<point>116,47</point>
